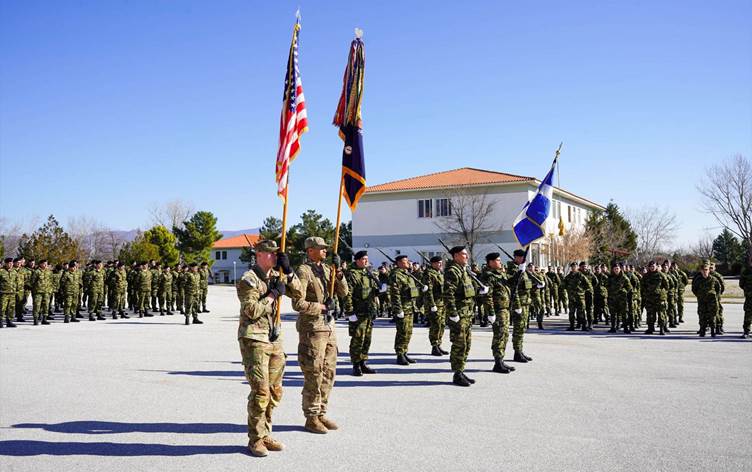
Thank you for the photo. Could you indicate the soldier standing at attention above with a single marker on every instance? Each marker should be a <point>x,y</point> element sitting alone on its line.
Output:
<point>654,286</point>
<point>7,293</point>
<point>361,309</point>
<point>601,294</point>
<point>317,336</point>
<point>577,285</point>
<point>434,280</point>
<point>18,266</point>
<point>497,306</point>
<point>179,292</point>
<point>144,282</point>
<point>96,291</point>
<point>520,286</point>
<point>192,287</point>
<point>670,293</point>
<point>41,290</point>
<point>563,296</point>
<point>589,294</point>
<point>682,282</point>
<point>706,289</point>
<point>118,289</point>
<point>619,287</point>
<point>156,272</point>
<point>719,278</point>
<point>554,281</point>
<point>384,307</point>
<point>259,291</point>
<point>459,292</point>
<point>165,291</point>
<point>69,286</point>
<point>745,282</point>
<point>204,274</point>
<point>404,294</point>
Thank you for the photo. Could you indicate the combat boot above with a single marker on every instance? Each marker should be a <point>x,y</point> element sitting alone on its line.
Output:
<point>613,329</point>
<point>75,319</point>
<point>460,380</point>
<point>187,320</point>
<point>79,315</point>
<point>66,320</point>
<point>443,351</point>
<point>650,330</point>
<point>540,325</point>
<point>258,449</point>
<point>584,327</point>
<point>161,313</point>
<point>571,327</point>
<point>147,314</point>
<point>518,357</point>
<point>529,359</point>
<point>124,315</point>
<point>661,330</point>
<point>205,310</point>
<point>409,359</point>
<point>272,444</point>
<point>401,360</point>
<point>100,317</point>
<point>197,321</point>
<point>313,424</point>
<point>713,331</point>
<point>91,318</point>
<point>701,332</point>
<point>435,351</point>
<point>719,330</point>
<point>357,372</point>
<point>366,369</point>
<point>328,424</point>
<point>36,322</point>
<point>500,367</point>
<point>10,324</point>
<point>472,381</point>
<point>169,313</point>
<point>45,322</point>
<point>114,316</point>
<point>666,330</point>
<point>745,335</point>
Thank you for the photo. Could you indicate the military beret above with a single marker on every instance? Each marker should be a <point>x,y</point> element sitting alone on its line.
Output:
<point>266,245</point>
<point>360,255</point>
<point>17,259</point>
<point>435,259</point>
<point>456,249</point>
<point>8,259</point>
<point>573,264</point>
<point>315,242</point>
<point>651,263</point>
<point>400,257</point>
<point>43,261</point>
<point>518,253</point>
<point>73,262</point>
<point>492,256</point>
<point>204,263</point>
<point>666,262</point>
<point>616,264</point>
<point>193,264</point>
<point>583,263</point>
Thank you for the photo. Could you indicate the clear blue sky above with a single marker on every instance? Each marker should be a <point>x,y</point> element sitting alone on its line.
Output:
<point>107,108</point>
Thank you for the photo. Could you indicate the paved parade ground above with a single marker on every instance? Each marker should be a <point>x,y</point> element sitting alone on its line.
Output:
<point>153,394</point>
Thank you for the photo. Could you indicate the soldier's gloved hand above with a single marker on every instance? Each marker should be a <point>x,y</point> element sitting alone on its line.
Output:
<point>425,288</point>
<point>401,314</point>
<point>329,304</point>
<point>336,260</point>
<point>483,290</point>
<point>521,267</point>
<point>541,285</point>
<point>434,309</point>
<point>492,319</point>
<point>518,311</point>
<point>276,289</point>
<point>352,318</point>
<point>382,289</point>
<point>284,262</point>
<point>454,318</point>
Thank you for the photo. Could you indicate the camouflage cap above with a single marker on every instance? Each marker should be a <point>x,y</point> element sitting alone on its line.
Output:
<point>315,242</point>
<point>266,245</point>
<point>705,264</point>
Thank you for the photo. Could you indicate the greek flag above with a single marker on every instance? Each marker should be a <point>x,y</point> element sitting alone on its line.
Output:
<point>528,226</point>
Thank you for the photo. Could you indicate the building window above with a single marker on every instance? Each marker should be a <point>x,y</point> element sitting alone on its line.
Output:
<point>425,208</point>
<point>443,207</point>
<point>569,214</point>
<point>216,255</point>
<point>224,255</point>
<point>557,210</point>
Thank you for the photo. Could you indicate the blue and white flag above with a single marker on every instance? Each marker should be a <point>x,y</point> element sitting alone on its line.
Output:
<point>528,226</point>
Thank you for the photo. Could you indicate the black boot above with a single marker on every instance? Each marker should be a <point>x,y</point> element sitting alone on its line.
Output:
<point>665,330</point>
<point>467,378</point>
<point>409,359</point>
<point>75,319</point>
<point>612,330</point>
<point>366,369</point>
<point>124,315</point>
<point>435,351</point>
<point>540,325</point>
<point>147,314</point>
<point>650,330</point>
<point>66,320</point>
<point>443,351</point>
<point>114,316</point>
<point>169,313</point>
<point>571,327</point>
<point>712,331</point>
<point>460,380</point>
<point>401,360</point>
<point>529,359</point>
<point>745,335</point>
<point>100,317</point>
<point>45,322</point>
<point>661,330</point>
<point>357,372</point>
<point>500,367</point>
<point>701,332</point>
<point>36,322</point>
<point>161,313</point>
<point>197,321</point>
<point>518,357</point>
<point>187,320</point>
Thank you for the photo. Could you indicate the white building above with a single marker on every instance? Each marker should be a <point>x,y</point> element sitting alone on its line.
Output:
<point>227,266</point>
<point>401,217</point>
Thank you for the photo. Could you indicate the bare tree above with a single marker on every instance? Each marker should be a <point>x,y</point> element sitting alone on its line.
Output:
<point>572,247</point>
<point>703,248</point>
<point>11,232</point>
<point>171,214</point>
<point>727,195</point>
<point>656,229</point>
<point>469,217</point>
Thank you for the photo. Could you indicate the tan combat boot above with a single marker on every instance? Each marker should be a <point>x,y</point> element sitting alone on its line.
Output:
<point>272,444</point>
<point>328,423</point>
<point>258,448</point>
<point>314,425</point>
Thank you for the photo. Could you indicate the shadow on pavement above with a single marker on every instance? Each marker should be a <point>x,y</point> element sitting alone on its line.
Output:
<point>23,448</point>
<point>109,427</point>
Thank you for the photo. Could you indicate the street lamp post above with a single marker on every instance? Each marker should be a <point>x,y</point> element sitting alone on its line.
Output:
<point>234,273</point>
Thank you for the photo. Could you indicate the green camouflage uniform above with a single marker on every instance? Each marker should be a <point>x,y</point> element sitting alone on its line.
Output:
<point>458,300</point>
<point>191,291</point>
<point>536,297</point>
<point>41,291</point>
<point>435,298</point>
<point>719,318</point>
<point>8,280</point>
<point>404,295</point>
<point>132,280</point>
<point>143,287</point>
<point>577,284</point>
<point>263,359</point>
<point>96,291</point>
<point>654,287</point>
<point>384,303</point>
<point>361,303</point>
<point>119,289</point>
<point>203,273</point>
<point>58,298</point>
<point>671,298</point>
<point>745,282</point>
<point>636,308</point>
<point>590,296</point>
<point>706,289</point>
<point>156,273</point>
<point>520,286</point>
<point>682,282</point>
<point>563,295</point>
<point>554,282</point>
<point>317,336</point>
<point>165,291</point>
<point>601,297</point>
<point>619,288</point>
<point>180,291</point>
<point>69,286</point>
<point>21,276</point>
<point>496,302</point>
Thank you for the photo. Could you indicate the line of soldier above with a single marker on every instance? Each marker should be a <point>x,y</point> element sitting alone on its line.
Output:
<point>139,287</point>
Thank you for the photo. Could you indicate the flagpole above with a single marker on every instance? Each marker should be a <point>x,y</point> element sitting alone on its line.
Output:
<point>336,235</point>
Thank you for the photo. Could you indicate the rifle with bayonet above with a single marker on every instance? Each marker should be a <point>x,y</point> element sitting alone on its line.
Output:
<point>475,278</point>
<point>424,287</point>
<point>505,252</point>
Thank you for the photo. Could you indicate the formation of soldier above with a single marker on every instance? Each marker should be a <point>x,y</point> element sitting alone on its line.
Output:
<point>99,287</point>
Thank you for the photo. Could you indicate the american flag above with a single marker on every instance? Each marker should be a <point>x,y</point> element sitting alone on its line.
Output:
<point>293,121</point>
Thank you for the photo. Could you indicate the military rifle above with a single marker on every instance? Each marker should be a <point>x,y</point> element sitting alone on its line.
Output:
<point>505,252</point>
<point>425,287</point>
<point>370,274</point>
<point>467,269</point>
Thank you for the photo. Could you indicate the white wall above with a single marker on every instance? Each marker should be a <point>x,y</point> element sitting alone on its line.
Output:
<point>222,267</point>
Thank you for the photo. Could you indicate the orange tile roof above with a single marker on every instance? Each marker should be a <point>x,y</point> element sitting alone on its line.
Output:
<point>236,241</point>
<point>450,178</point>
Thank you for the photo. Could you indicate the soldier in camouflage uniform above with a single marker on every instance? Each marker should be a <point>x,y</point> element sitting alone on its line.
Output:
<point>259,291</point>
<point>191,293</point>
<point>70,288</point>
<point>433,278</point>
<point>589,294</point>
<point>619,287</point>
<point>317,336</point>
<point>384,306</point>
<point>143,287</point>
<point>670,293</point>
<point>41,290</point>
<point>21,276</point>
<point>745,282</point>
<point>29,268</point>
<point>175,284</point>
<point>497,305</point>
<point>361,309</point>
<point>404,294</point>
<point>719,278</point>
<point>553,281</point>
<point>132,279</point>
<point>119,289</point>
<point>179,278</point>
<point>56,295</point>
<point>636,307</point>
<point>520,286</point>
<point>165,291</point>
<point>156,272</point>
<point>577,285</point>
<point>654,288</point>
<point>706,289</point>
<point>204,274</point>
<point>537,294</point>
<point>459,292</point>
<point>8,278</point>
<point>601,294</point>
<point>96,291</point>
<point>563,296</point>
<point>682,282</point>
